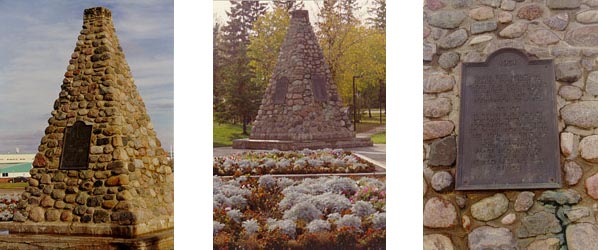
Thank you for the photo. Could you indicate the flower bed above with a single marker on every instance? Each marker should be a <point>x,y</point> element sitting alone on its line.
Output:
<point>291,162</point>
<point>8,204</point>
<point>271,212</point>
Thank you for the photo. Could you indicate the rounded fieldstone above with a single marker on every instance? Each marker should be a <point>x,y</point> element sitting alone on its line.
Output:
<point>545,244</point>
<point>47,201</point>
<point>437,129</point>
<point>530,12</point>
<point>563,4</point>
<point>437,83</point>
<point>46,179</point>
<point>485,237</point>
<point>570,93</point>
<point>481,27</point>
<point>514,30</point>
<point>481,13</point>
<point>583,114</point>
<point>453,40</point>
<point>443,152</point>
<point>591,185</point>
<point>66,216</point>
<point>505,17</point>
<point>461,201</point>
<point>567,71</point>
<point>562,197</point>
<point>588,147</point>
<point>582,36</point>
<point>508,5</point>
<point>456,4</point>
<point>441,181</point>
<point>569,143</point>
<point>557,22</point>
<point>490,208</point>
<point>480,39</point>
<point>577,213</point>
<point>36,214</point>
<point>446,19</point>
<point>573,173</point>
<point>508,219</point>
<point>438,107</point>
<point>429,51</point>
<point>439,213</point>
<point>491,3</point>
<point>437,242</point>
<point>52,215</point>
<point>543,37</point>
<point>448,60</point>
<point>539,223</point>
<point>587,17</point>
<point>582,236</point>
<point>592,83</point>
<point>434,4</point>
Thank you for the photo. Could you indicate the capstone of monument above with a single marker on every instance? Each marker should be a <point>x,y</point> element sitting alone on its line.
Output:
<point>301,107</point>
<point>100,169</point>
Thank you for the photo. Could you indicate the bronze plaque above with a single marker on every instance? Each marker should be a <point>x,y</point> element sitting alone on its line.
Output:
<point>75,149</point>
<point>280,92</point>
<point>508,136</point>
<point>318,86</point>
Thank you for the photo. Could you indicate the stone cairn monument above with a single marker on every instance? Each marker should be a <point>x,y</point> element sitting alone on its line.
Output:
<point>301,107</point>
<point>100,169</point>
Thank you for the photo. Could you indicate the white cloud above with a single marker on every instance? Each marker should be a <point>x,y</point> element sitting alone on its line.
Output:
<point>38,38</point>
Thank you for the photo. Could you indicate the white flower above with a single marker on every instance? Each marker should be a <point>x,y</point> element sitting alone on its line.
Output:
<point>251,226</point>
<point>331,202</point>
<point>266,181</point>
<point>284,182</point>
<point>379,220</point>
<point>302,211</point>
<point>217,227</point>
<point>235,215</point>
<point>287,227</point>
<point>349,220</point>
<point>334,217</point>
<point>318,226</point>
<point>363,208</point>
<point>270,163</point>
<point>342,185</point>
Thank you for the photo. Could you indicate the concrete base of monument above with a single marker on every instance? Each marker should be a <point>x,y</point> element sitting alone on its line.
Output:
<point>155,241</point>
<point>90,229</point>
<point>298,145</point>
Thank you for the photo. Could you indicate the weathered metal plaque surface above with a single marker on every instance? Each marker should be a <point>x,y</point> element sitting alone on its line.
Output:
<point>318,86</point>
<point>75,149</point>
<point>280,92</point>
<point>508,136</point>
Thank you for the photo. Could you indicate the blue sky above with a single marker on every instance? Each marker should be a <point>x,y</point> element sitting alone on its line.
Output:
<point>37,40</point>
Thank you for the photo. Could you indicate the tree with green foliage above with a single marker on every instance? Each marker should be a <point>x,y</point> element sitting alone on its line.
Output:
<point>264,44</point>
<point>378,12</point>
<point>241,97</point>
<point>288,5</point>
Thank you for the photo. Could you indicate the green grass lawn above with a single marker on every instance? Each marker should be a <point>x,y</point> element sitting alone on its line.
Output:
<point>379,138</point>
<point>366,123</point>
<point>224,134</point>
<point>13,185</point>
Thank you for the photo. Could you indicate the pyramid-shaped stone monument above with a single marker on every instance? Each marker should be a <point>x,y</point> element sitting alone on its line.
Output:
<point>301,107</point>
<point>100,169</point>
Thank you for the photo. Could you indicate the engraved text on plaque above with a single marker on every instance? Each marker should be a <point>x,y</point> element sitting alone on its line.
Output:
<point>75,149</point>
<point>508,136</point>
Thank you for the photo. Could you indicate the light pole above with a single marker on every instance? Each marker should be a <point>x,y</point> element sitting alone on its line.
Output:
<point>355,105</point>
